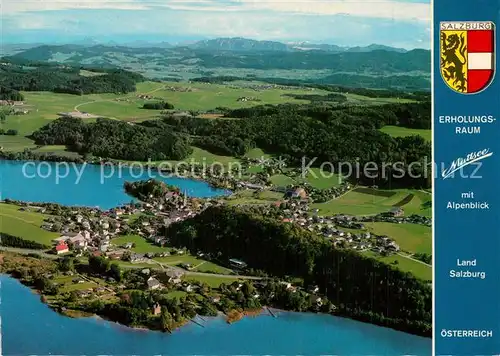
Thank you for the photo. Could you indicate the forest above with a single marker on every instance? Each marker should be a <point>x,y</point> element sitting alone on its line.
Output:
<point>345,134</point>
<point>162,105</point>
<point>65,79</point>
<point>14,241</point>
<point>361,287</point>
<point>114,139</point>
<point>10,94</point>
<point>315,132</point>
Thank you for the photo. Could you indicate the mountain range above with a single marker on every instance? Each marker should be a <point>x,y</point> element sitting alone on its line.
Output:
<point>237,44</point>
<point>244,44</point>
<point>373,66</point>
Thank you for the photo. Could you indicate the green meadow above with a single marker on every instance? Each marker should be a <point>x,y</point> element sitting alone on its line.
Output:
<point>365,201</point>
<point>141,244</point>
<point>315,177</point>
<point>412,238</point>
<point>405,264</point>
<point>397,131</point>
<point>212,281</point>
<point>24,224</point>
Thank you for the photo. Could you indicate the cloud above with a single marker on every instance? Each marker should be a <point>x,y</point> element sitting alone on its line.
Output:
<point>347,22</point>
<point>19,6</point>
<point>386,9</point>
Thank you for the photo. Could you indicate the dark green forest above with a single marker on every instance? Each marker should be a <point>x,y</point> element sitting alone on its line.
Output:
<point>114,139</point>
<point>299,133</point>
<point>65,79</point>
<point>10,94</point>
<point>14,241</point>
<point>361,287</point>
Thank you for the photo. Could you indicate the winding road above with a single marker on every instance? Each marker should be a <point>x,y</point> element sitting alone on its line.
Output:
<point>414,259</point>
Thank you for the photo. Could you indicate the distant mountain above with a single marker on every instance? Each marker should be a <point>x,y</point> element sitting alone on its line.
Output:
<point>375,47</point>
<point>239,44</point>
<point>244,44</point>
<point>146,44</point>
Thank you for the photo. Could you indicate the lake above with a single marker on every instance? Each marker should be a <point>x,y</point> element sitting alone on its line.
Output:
<point>83,185</point>
<point>30,327</point>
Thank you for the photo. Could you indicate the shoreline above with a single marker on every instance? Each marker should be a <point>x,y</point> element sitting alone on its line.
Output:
<point>236,315</point>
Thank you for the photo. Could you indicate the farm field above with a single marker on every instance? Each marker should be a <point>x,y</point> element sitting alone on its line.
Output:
<point>316,178</point>
<point>203,96</point>
<point>257,153</point>
<point>66,284</point>
<point>141,245</point>
<point>418,269</point>
<point>374,101</point>
<point>253,197</point>
<point>366,201</point>
<point>197,264</point>
<point>212,281</point>
<point>43,108</point>
<point>24,224</point>
<point>412,238</point>
<point>396,131</point>
<point>15,143</point>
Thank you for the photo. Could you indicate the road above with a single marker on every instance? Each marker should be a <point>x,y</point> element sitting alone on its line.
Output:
<point>162,265</point>
<point>414,259</point>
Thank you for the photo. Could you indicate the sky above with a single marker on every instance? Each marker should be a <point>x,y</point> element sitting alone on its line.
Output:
<point>397,23</point>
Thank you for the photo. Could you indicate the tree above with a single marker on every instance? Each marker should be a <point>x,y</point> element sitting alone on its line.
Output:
<point>3,116</point>
<point>99,264</point>
<point>166,319</point>
<point>66,264</point>
<point>115,272</point>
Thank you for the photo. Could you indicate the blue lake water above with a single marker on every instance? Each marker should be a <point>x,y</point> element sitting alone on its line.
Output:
<point>83,185</point>
<point>30,327</point>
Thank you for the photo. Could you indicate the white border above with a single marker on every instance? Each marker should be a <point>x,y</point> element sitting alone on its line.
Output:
<point>433,187</point>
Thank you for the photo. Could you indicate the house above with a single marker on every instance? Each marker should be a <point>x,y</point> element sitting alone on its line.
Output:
<point>393,246</point>
<point>215,299</point>
<point>299,193</point>
<point>313,289</point>
<point>61,247</point>
<point>137,257</point>
<point>156,310</point>
<point>174,276</point>
<point>396,211</point>
<point>237,263</point>
<point>78,241</point>
<point>153,283</point>
<point>316,300</point>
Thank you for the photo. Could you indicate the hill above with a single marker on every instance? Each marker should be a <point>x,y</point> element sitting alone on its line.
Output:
<point>374,66</point>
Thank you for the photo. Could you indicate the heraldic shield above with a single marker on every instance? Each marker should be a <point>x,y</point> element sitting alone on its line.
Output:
<point>467,52</point>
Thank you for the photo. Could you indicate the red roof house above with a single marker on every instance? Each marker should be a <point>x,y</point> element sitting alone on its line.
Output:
<point>62,247</point>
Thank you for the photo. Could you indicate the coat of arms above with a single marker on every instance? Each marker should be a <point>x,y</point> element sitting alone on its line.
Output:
<point>467,52</point>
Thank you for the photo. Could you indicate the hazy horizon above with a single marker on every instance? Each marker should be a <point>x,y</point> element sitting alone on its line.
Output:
<point>395,23</point>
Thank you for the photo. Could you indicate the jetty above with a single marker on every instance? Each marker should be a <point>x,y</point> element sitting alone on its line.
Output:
<point>271,312</point>
<point>197,323</point>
